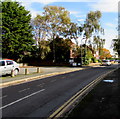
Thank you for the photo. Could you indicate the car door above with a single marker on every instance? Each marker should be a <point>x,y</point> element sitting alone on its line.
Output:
<point>9,66</point>
<point>2,67</point>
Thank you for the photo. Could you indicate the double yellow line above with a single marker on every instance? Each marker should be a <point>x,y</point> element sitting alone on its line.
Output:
<point>66,106</point>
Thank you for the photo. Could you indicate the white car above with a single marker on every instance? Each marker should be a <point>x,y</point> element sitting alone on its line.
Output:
<point>106,62</point>
<point>9,67</point>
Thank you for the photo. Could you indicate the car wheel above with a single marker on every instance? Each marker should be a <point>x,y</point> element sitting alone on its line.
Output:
<point>14,72</point>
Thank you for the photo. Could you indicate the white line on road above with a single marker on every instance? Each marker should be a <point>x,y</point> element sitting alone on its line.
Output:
<point>53,80</point>
<point>3,97</point>
<point>21,99</point>
<point>23,90</point>
<point>41,84</point>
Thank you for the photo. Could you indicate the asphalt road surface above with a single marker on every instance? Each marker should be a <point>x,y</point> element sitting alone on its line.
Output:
<point>40,98</point>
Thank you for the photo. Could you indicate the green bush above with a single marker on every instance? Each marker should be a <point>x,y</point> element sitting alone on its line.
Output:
<point>94,60</point>
<point>99,60</point>
<point>86,61</point>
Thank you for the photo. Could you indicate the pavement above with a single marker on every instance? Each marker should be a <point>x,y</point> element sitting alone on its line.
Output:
<point>44,72</point>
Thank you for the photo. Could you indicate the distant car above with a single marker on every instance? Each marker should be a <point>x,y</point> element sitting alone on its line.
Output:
<point>75,62</point>
<point>112,61</point>
<point>9,67</point>
<point>106,62</point>
<point>118,61</point>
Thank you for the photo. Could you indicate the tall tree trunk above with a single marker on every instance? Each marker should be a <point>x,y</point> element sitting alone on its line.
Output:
<point>85,49</point>
<point>54,56</point>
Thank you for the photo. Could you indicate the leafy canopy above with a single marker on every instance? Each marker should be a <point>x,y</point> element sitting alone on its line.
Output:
<point>16,30</point>
<point>92,24</point>
<point>116,45</point>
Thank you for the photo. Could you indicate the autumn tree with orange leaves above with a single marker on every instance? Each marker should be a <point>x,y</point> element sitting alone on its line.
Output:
<point>105,54</point>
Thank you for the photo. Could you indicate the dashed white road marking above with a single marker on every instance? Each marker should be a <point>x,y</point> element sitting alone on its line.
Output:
<point>23,90</point>
<point>3,97</point>
<point>41,84</point>
<point>63,77</point>
<point>53,80</point>
<point>21,99</point>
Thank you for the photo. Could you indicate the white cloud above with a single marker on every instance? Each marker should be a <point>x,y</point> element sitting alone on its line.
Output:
<point>106,5</point>
<point>111,25</point>
<point>28,3</point>
<point>74,12</point>
<point>51,1</point>
<point>35,13</point>
<point>109,35</point>
<point>83,16</point>
<point>102,5</point>
<point>81,20</point>
<point>39,1</point>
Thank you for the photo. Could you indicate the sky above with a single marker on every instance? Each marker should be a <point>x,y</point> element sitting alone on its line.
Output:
<point>78,10</point>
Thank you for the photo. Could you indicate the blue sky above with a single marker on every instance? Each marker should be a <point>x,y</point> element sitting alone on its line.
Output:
<point>78,10</point>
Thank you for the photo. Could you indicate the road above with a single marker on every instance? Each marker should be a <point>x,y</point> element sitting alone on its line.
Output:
<point>40,98</point>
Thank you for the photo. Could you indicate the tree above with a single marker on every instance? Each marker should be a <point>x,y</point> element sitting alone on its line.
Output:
<point>40,33</point>
<point>17,38</point>
<point>116,45</point>
<point>101,45</point>
<point>74,32</point>
<point>44,49</point>
<point>57,22</point>
<point>91,26</point>
<point>62,50</point>
<point>54,22</point>
<point>105,54</point>
<point>98,44</point>
<point>0,30</point>
<point>39,26</point>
